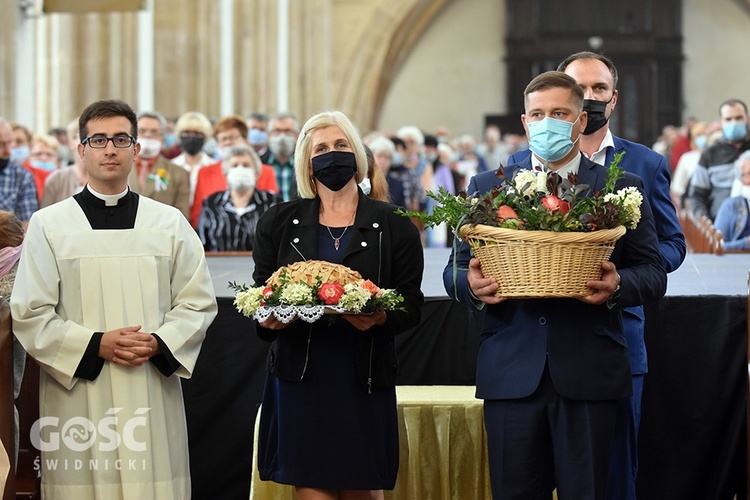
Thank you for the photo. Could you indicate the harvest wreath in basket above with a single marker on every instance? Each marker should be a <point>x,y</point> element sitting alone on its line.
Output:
<point>537,234</point>
<point>309,289</point>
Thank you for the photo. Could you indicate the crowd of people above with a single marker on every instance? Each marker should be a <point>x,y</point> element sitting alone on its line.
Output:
<point>709,162</point>
<point>191,164</point>
<point>183,163</point>
<point>125,281</point>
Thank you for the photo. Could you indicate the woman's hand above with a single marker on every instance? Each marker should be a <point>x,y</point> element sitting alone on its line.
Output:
<point>274,324</point>
<point>364,322</point>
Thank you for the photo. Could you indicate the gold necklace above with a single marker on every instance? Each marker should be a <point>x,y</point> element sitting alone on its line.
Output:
<point>337,241</point>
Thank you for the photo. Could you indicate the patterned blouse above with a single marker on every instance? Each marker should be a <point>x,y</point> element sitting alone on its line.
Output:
<point>222,227</point>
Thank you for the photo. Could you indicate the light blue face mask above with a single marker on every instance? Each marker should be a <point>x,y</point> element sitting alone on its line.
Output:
<point>396,159</point>
<point>549,138</point>
<point>734,131</point>
<point>19,154</point>
<point>44,165</point>
<point>701,141</point>
<point>257,137</point>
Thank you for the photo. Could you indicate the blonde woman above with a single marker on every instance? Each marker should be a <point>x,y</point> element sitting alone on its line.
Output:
<point>328,423</point>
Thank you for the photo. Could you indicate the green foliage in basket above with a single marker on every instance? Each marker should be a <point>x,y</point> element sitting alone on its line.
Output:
<point>539,201</point>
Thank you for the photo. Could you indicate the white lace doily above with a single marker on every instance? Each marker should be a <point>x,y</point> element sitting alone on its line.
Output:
<point>285,314</point>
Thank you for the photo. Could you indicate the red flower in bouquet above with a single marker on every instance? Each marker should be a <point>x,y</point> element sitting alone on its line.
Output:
<point>267,292</point>
<point>555,204</point>
<point>371,287</point>
<point>330,293</point>
<point>505,212</point>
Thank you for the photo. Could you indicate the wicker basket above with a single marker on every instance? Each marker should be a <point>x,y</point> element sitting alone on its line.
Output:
<point>533,264</point>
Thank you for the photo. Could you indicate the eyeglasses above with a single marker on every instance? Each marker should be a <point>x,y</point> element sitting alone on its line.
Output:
<point>231,139</point>
<point>100,141</point>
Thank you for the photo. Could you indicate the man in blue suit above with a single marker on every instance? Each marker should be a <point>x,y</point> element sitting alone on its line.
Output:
<point>597,76</point>
<point>551,371</point>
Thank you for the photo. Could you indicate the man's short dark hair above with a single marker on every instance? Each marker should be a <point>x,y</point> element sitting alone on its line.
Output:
<point>591,55</point>
<point>733,102</point>
<point>554,80</point>
<point>258,117</point>
<point>106,108</point>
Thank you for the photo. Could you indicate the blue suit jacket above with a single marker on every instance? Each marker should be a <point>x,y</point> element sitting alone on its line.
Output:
<point>652,168</point>
<point>583,344</point>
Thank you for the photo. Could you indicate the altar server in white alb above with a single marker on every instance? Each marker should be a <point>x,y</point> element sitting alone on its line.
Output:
<point>112,299</point>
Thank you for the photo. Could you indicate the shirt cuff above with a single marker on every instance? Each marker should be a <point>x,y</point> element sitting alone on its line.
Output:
<point>165,362</point>
<point>91,364</point>
<point>478,304</point>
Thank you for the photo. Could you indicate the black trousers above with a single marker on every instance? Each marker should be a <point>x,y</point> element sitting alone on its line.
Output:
<point>530,439</point>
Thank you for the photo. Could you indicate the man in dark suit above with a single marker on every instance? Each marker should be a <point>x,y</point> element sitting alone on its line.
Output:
<point>551,371</point>
<point>598,76</point>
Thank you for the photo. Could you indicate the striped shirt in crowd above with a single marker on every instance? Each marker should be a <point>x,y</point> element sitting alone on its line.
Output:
<point>222,227</point>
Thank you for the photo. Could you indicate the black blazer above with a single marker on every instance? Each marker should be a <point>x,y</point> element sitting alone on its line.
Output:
<point>384,248</point>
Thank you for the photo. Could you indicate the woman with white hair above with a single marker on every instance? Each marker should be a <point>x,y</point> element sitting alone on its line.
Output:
<point>328,422</point>
<point>413,155</point>
<point>403,184</point>
<point>732,219</point>
<point>193,129</point>
<point>228,218</point>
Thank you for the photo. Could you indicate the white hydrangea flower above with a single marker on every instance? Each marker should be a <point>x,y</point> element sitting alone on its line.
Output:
<point>630,200</point>
<point>525,182</point>
<point>296,294</point>
<point>354,298</point>
<point>247,302</point>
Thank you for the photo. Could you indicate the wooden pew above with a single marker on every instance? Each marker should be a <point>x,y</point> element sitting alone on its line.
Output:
<point>701,235</point>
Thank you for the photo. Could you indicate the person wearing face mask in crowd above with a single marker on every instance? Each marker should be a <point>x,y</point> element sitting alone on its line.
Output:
<point>597,75</point>
<point>553,372</point>
<point>171,147</point>
<point>192,130</point>
<point>494,152</point>
<point>321,375</point>
<point>257,135</point>
<point>21,148</point>
<point>228,218</point>
<point>17,188</point>
<point>404,187</point>
<point>43,160</point>
<point>154,176</point>
<point>698,135</point>
<point>66,181</point>
<point>229,131</point>
<point>711,182</point>
<point>733,218</point>
<point>64,153</point>
<point>282,136</point>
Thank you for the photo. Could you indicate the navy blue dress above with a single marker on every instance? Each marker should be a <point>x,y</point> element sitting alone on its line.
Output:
<point>326,431</point>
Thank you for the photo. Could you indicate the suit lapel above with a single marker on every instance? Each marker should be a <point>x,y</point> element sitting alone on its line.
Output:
<point>587,175</point>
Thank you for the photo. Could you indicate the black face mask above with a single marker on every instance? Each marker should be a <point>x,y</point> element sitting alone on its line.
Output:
<point>4,163</point>
<point>597,117</point>
<point>334,169</point>
<point>191,144</point>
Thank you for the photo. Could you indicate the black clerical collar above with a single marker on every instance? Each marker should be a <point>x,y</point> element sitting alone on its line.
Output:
<point>100,216</point>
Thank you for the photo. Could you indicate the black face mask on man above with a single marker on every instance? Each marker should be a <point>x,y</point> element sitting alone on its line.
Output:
<point>334,169</point>
<point>597,114</point>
